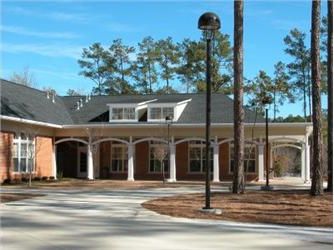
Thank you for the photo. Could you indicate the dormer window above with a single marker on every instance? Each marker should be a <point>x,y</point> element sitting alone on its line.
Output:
<point>123,113</point>
<point>160,113</point>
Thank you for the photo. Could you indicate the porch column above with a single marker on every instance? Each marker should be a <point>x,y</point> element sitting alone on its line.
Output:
<point>307,162</point>
<point>54,160</point>
<point>216,162</point>
<point>130,161</point>
<point>303,163</point>
<point>172,162</point>
<point>90,168</point>
<point>260,160</point>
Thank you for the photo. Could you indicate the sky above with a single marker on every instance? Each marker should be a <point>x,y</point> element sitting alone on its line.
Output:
<point>48,36</point>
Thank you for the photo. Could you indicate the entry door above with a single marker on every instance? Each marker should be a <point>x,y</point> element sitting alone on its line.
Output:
<point>82,162</point>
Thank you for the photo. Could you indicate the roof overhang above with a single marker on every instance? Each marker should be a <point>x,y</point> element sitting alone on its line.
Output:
<point>27,121</point>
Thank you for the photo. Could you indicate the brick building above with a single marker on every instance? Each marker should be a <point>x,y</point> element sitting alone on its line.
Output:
<point>128,137</point>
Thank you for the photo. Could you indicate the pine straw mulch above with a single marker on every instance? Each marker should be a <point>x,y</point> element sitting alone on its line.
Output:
<point>69,183</point>
<point>8,197</point>
<point>294,207</point>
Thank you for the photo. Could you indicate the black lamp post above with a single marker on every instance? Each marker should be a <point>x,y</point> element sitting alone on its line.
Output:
<point>209,23</point>
<point>266,101</point>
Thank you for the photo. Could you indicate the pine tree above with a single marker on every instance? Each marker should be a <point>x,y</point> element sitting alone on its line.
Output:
<point>238,170</point>
<point>317,177</point>
<point>93,63</point>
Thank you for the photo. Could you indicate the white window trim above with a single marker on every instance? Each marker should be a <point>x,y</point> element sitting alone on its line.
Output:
<point>19,142</point>
<point>149,156</point>
<point>122,106</point>
<point>137,107</point>
<point>161,106</point>
<point>120,145</point>
<point>229,157</point>
<point>194,145</point>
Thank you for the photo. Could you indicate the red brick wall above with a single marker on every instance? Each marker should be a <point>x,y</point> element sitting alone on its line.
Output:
<point>6,163</point>
<point>43,161</point>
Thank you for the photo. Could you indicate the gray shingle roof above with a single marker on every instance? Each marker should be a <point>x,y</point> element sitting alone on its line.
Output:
<point>28,103</point>
<point>24,102</point>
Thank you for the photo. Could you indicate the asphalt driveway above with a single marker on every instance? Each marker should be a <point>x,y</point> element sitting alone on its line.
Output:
<point>106,219</point>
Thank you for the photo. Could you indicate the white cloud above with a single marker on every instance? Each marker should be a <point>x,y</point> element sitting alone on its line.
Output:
<point>50,50</point>
<point>55,15</point>
<point>27,32</point>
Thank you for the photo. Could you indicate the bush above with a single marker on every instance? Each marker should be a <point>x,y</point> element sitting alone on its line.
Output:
<point>51,178</point>
<point>7,181</point>
<point>37,178</point>
<point>44,178</point>
<point>24,179</point>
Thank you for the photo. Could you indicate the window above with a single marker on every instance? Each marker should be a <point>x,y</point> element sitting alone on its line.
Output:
<point>123,114</point>
<point>249,157</point>
<point>197,157</point>
<point>158,157</point>
<point>119,157</point>
<point>23,153</point>
<point>160,113</point>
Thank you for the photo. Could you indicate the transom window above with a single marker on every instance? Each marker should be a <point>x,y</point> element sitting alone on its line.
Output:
<point>123,114</point>
<point>160,113</point>
<point>158,157</point>
<point>23,153</point>
<point>249,158</point>
<point>197,157</point>
<point>119,157</point>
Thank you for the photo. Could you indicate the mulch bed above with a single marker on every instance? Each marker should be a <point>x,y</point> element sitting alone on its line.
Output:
<point>295,207</point>
<point>7,197</point>
<point>68,183</point>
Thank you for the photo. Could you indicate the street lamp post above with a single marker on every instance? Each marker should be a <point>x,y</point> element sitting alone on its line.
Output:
<point>209,23</point>
<point>266,101</point>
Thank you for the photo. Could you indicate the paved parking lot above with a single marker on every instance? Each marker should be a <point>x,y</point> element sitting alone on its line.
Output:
<point>106,219</point>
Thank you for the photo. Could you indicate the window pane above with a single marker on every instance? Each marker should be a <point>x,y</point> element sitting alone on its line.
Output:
<point>155,113</point>
<point>30,165</point>
<point>251,166</point>
<point>16,165</point>
<point>195,166</point>
<point>23,167</point>
<point>129,113</point>
<point>117,114</point>
<point>167,112</point>
<point>24,150</point>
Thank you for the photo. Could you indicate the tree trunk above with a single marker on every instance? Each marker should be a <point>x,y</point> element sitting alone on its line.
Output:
<point>317,178</point>
<point>330,94</point>
<point>238,178</point>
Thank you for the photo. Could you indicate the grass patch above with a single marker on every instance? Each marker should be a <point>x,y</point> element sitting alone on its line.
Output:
<point>295,207</point>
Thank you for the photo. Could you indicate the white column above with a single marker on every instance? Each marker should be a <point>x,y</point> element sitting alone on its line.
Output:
<point>54,161</point>
<point>303,163</point>
<point>130,161</point>
<point>215,162</point>
<point>172,162</point>
<point>90,168</point>
<point>307,163</point>
<point>96,161</point>
<point>260,161</point>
